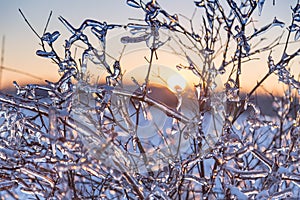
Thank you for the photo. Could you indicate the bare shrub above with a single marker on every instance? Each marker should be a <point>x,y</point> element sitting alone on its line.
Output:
<point>108,139</point>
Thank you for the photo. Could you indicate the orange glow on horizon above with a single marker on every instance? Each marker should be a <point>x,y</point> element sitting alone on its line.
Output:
<point>167,76</point>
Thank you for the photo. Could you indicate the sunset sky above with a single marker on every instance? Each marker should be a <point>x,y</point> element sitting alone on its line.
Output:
<point>21,43</point>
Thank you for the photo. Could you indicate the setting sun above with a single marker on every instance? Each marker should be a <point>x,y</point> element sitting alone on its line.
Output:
<point>176,82</point>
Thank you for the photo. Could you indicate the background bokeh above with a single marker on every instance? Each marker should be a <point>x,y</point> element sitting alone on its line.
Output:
<point>21,43</point>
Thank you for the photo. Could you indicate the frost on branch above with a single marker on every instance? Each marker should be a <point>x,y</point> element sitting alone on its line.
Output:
<point>78,138</point>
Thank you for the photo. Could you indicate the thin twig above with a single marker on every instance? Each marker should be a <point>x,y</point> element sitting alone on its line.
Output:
<point>27,22</point>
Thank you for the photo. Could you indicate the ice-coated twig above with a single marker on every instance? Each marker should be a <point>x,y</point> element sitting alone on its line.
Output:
<point>31,172</point>
<point>253,174</point>
<point>84,139</point>
<point>263,159</point>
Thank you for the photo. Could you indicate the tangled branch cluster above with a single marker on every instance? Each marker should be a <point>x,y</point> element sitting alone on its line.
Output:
<point>83,140</point>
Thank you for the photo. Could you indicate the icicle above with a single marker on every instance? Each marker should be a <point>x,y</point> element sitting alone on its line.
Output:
<point>200,4</point>
<point>260,6</point>
<point>50,37</point>
<point>133,4</point>
<point>45,54</point>
<point>52,122</point>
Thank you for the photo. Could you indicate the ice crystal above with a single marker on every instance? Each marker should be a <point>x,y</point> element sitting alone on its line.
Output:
<point>104,139</point>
